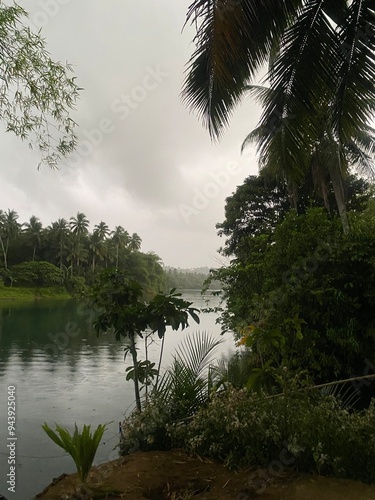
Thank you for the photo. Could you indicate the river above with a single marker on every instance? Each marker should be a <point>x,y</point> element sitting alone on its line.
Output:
<point>62,372</point>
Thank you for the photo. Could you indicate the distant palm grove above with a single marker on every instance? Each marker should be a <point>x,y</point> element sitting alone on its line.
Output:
<point>67,252</point>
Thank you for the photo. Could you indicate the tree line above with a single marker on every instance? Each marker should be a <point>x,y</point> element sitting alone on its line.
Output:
<point>189,279</point>
<point>77,252</point>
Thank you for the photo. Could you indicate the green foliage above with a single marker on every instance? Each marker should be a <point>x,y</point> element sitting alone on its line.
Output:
<point>125,312</point>
<point>307,432</point>
<point>185,386</point>
<point>145,372</point>
<point>146,430</point>
<point>318,108</point>
<point>303,297</point>
<point>76,285</point>
<point>254,209</point>
<point>36,273</point>
<point>77,252</point>
<point>81,446</point>
<point>37,92</point>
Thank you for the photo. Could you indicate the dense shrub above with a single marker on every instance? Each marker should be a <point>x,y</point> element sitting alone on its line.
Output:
<point>316,433</point>
<point>36,273</point>
<point>146,430</point>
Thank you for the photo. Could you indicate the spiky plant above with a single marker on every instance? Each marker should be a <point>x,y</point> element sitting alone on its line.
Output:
<point>81,446</point>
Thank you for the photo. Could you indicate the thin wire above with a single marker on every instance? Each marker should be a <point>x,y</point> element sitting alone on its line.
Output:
<point>57,456</point>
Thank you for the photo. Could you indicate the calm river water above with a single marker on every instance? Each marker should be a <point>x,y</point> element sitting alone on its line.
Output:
<point>63,373</point>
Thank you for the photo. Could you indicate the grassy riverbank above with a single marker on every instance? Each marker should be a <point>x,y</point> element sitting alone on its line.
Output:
<point>33,293</point>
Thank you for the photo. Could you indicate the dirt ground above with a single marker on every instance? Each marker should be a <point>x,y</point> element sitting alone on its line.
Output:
<point>173,475</point>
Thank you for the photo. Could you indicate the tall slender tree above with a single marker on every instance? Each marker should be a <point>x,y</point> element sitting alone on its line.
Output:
<point>79,227</point>
<point>9,229</point>
<point>321,57</point>
<point>120,239</point>
<point>59,231</point>
<point>33,230</point>
<point>98,247</point>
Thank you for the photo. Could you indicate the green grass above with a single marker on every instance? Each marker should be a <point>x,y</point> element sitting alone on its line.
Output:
<point>24,293</point>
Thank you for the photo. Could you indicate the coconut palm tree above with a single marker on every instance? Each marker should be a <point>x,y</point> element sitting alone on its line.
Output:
<point>79,225</point>
<point>2,236</point>
<point>102,230</point>
<point>321,57</point>
<point>77,253</point>
<point>135,242</point>
<point>33,229</point>
<point>98,247</point>
<point>79,228</point>
<point>120,238</point>
<point>9,229</point>
<point>59,231</point>
<point>326,158</point>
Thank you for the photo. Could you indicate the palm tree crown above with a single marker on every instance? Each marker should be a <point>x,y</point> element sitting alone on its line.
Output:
<point>79,225</point>
<point>321,57</point>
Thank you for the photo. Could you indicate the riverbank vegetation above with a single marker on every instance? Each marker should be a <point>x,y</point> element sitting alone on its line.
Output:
<point>67,254</point>
<point>76,253</point>
<point>299,295</point>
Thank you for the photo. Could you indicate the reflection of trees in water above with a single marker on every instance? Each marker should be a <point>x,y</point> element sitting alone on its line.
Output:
<point>58,332</point>
<point>52,331</point>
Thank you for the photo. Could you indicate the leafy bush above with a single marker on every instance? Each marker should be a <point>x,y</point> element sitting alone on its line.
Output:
<point>317,432</point>
<point>76,285</point>
<point>183,389</point>
<point>146,430</point>
<point>36,273</point>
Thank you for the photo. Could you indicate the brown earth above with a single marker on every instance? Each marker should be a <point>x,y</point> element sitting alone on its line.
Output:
<point>173,475</point>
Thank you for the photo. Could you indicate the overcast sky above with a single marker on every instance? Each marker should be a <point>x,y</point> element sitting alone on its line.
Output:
<point>143,161</point>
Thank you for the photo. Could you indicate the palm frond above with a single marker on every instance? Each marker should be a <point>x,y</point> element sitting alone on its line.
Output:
<point>301,78</point>
<point>185,384</point>
<point>355,70</point>
<point>233,40</point>
<point>348,396</point>
<point>234,370</point>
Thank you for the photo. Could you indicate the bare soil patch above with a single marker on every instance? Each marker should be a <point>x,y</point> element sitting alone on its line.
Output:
<point>173,475</point>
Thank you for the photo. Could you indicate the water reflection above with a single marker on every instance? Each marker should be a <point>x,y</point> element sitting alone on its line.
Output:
<point>64,373</point>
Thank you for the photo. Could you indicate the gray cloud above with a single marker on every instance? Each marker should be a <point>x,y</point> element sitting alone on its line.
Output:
<point>141,154</point>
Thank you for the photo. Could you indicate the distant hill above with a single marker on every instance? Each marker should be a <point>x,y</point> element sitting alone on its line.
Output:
<point>191,279</point>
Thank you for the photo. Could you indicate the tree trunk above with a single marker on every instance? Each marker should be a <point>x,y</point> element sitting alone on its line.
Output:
<point>4,253</point>
<point>61,249</point>
<point>34,250</point>
<point>159,365</point>
<point>136,380</point>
